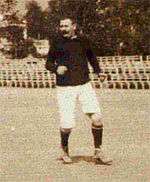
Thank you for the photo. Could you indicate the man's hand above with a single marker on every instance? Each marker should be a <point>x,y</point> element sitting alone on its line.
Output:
<point>61,70</point>
<point>102,77</point>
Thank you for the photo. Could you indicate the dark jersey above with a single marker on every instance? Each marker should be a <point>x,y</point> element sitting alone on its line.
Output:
<point>74,54</point>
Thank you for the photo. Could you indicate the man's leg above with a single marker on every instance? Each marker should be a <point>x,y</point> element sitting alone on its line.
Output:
<point>97,131</point>
<point>66,97</point>
<point>64,135</point>
<point>91,107</point>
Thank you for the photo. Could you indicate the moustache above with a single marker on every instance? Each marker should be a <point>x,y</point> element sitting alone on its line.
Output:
<point>64,32</point>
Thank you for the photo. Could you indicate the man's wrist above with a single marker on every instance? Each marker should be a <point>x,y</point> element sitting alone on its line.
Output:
<point>102,77</point>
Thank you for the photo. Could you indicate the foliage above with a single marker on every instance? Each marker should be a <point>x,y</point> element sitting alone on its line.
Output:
<point>7,9</point>
<point>116,27</point>
<point>34,18</point>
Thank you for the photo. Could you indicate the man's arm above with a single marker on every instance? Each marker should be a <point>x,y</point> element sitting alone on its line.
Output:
<point>91,57</point>
<point>51,65</point>
<point>94,62</point>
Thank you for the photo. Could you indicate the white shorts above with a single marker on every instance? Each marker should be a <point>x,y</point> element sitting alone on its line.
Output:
<point>67,97</point>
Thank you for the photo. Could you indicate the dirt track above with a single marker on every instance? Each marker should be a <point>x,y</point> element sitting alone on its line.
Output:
<point>29,138</point>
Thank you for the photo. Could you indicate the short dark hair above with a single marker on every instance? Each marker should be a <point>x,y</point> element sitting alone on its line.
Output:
<point>73,19</point>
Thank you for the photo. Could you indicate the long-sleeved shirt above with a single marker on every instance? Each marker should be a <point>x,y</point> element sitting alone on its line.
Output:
<point>74,54</point>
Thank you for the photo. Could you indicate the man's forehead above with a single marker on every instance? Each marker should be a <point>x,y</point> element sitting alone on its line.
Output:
<point>66,21</point>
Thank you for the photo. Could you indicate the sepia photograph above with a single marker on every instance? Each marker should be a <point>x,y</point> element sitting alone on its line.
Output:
<point>74,91</point>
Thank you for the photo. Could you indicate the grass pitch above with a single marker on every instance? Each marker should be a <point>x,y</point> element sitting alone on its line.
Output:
<point>29,138</point>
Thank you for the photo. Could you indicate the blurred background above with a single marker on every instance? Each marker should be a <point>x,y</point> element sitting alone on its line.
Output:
<point>116,27</point>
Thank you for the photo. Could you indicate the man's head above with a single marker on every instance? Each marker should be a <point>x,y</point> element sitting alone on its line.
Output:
<point>67,27</point>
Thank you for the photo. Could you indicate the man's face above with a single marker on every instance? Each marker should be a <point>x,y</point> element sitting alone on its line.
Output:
<point>67,28</point>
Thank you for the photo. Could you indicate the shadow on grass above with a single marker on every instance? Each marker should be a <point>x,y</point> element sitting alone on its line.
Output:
<point>90,159</point>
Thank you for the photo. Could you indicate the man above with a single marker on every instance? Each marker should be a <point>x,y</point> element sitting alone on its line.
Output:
<point>68,58</point>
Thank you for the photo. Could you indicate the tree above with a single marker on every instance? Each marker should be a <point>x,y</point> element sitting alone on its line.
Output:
<point>135,27</point>
<point>34,18</point>
<point>116,27</point>
<point>94,18</point>
<point>10,14</point>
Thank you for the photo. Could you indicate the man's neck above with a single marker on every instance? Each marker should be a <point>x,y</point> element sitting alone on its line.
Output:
<point>70,37</point>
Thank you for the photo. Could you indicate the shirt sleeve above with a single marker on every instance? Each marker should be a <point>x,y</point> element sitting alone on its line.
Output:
<point>51,58</point>
<point>92,58</point>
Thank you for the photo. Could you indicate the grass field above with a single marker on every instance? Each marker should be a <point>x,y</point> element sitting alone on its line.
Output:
<point>29,138</point>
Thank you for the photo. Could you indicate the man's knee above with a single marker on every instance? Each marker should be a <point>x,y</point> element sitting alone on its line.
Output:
<point>96,119</point>
<point>66,130</point>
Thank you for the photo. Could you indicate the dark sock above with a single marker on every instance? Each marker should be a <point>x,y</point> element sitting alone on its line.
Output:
<point>64,140</point>
<point>97,132</point>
